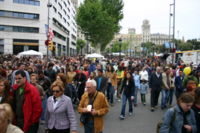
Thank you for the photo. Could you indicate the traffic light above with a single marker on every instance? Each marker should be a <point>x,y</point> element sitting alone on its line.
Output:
<point>50,46</point>
<point>47,42</point>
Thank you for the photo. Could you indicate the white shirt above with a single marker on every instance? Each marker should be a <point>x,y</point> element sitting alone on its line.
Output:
<point>144,75</point>
<point>55,103</point>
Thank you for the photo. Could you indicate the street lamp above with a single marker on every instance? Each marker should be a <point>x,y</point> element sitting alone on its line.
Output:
<point>49,5</point>
<point>120,46</point>
<point>174,46</point>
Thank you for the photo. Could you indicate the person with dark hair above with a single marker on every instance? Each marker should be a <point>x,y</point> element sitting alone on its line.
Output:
<point>5,94</point>
<point>181,118</point>
<point>20,66</point>
<point>27,103</point>
<point>50,72</point>
<point>112,83</point>
<point>101,81</point>
<point>45,82</point>
<point>179,84</point>
<point>128,92</point>
<point>196,108</point>
<point>80,80</point>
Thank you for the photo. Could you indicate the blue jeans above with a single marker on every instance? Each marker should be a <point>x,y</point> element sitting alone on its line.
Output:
<point>44,104</point>
<point>165,97</point>
<point>110,93</point>
<point>89,127</point>
<point>135,96</point>
<point>124,99</point>
<point>170,99</point>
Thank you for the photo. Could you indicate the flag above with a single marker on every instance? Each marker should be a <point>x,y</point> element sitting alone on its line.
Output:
<point>50,34</point>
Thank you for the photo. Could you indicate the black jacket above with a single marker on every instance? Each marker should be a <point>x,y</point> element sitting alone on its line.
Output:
<point>128,88</point>
<point>155,82</point>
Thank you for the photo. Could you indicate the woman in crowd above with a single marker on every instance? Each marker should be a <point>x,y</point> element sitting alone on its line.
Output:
<point>6,117</point>
<point>196,108</point>
<point>112,84</point>
<point>61,77</point>
<point>5,94</point>
<point>181,118</point>
<point>60,115</point>
<point>127,91</point>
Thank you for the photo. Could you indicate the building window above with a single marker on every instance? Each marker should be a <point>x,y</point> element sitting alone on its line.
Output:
<point>64,20</point>
<point>18,29</point>
<point>60,5</point>
<point>65,4</point>
<point>19,15</point>
<point>28,2</point>
<point>58,35</point>
<point>60,14</point>
<point>65,12</point>
<point>68,9</point>
<point>55,10</point>
<point>68,16</point>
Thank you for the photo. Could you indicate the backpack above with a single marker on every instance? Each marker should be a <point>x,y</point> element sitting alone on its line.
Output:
<point>159,124</point>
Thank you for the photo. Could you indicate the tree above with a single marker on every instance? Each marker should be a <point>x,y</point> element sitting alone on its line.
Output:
<point>80,44</point>
<point>99,21</point>
<point>195,43</point>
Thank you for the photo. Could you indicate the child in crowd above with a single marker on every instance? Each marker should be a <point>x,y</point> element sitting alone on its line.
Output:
<point>143,91</point>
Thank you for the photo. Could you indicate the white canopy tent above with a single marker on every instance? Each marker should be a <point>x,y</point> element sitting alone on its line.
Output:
<point>94,55</point>
<point>30,53</point>
<point>117,54</point>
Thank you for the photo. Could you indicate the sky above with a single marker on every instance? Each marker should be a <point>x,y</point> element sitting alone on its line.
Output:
<point>187,17</point>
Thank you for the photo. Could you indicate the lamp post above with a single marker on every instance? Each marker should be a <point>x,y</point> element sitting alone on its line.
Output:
<point>174,46</point>
<point>49,5</point>
<point>120,46</point>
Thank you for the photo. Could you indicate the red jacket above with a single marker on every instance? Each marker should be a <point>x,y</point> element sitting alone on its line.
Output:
<point>32,107</point>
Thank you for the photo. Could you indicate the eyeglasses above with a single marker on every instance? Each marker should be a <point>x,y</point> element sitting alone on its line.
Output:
<point>55,91</point>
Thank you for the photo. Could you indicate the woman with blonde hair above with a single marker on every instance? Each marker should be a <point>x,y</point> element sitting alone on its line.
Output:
<point>60,115</point>
<point>6,117</point>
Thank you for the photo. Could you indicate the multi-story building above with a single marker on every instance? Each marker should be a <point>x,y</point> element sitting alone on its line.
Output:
<point>24,23</point>
<point>146,31</point>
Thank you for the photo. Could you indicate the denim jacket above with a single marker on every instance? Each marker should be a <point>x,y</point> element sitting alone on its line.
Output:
<point>177,124</point>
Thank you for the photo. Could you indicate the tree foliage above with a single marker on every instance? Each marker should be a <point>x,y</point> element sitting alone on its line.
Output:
<point>99,20</point>
<point>116,46</point>
<point>80,44</point>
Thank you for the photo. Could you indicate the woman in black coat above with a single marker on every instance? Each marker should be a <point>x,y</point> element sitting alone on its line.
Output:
<point>127,91</point>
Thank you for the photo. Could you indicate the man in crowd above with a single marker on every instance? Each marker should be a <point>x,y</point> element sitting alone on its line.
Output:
<point>94,105</point>
<point>27,104</point>
<point>101,81</point>
<point>155,85</point>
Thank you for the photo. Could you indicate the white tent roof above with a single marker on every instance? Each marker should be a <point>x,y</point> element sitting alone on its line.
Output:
<point>94,55</point>
<point>117,54</point>
<point>30,53</point>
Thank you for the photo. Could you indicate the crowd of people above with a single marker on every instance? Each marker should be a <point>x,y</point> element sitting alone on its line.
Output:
<point>40,91</point>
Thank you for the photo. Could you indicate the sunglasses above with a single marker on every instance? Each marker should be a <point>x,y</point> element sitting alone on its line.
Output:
<point>55,91</point>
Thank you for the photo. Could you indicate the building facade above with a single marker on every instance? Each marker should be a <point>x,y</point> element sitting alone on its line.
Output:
<point>135,40</point>
<point>24,26</point>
